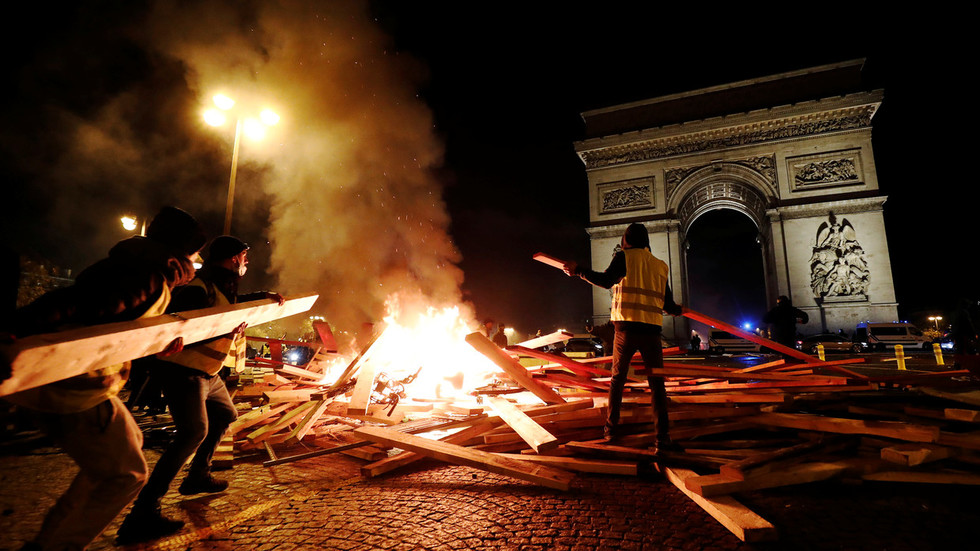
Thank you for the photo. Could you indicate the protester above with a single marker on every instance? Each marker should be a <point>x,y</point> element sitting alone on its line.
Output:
<point>783,319</point>
<point>641,293</point>
<point>195,393</point>
<point>83,414</point>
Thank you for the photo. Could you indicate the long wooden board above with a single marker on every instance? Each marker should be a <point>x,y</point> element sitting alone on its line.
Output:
<point>737,518</point>
<point>534,434</point>
<point>42,359</point>
<point>522,470</point>
<point>513,368</point>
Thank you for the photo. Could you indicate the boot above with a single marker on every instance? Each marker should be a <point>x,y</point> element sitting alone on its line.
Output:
<point>202,484</point>
<point>146,523</point>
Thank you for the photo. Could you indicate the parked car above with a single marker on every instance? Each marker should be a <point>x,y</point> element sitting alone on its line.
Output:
<point>583,347</point>
<point>878,336</point>
<point>831,343</point>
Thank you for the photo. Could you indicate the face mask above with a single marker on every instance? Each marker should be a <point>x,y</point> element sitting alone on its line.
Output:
<point>242,268</point>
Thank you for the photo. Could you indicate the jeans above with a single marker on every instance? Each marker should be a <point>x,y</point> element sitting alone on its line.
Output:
<point>202,410</point>
<point>625,345</point>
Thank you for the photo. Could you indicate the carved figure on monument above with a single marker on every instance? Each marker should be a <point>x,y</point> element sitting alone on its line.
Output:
<point>838,269</point>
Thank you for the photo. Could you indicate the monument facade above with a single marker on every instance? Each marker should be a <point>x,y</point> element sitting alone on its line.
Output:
<point>792,152</point>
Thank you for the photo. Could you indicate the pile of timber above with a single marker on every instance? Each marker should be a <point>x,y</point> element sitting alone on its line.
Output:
<point>792,420</point>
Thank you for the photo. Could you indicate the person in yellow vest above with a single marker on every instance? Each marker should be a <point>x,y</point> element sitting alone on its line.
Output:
<point>83,414</point>
<point>196,394</point>
<point>641,294</point>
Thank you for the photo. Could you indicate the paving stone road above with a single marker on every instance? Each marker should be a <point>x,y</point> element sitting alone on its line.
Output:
<point>323,503</point>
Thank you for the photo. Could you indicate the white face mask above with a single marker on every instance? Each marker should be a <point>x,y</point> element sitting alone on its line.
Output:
<point>242,268</point>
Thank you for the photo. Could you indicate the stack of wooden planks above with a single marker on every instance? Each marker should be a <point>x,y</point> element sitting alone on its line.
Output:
<point>782,421</point>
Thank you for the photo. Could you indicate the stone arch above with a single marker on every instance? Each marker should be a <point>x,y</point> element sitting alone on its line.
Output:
<point>722,185</point>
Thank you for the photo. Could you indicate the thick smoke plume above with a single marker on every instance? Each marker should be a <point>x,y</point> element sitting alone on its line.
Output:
<point>355,212</point>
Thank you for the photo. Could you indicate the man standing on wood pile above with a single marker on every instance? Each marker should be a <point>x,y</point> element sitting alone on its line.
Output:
<point>641,294</point>
<point>83,414</point>
<point>195,392</point>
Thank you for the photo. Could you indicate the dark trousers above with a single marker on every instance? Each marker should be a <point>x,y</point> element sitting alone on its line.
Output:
<point>648,344</point>
<point>202,410</point>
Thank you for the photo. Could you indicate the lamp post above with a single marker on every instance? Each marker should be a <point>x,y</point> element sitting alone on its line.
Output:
<point>936,320</point>
<point>254,128</point>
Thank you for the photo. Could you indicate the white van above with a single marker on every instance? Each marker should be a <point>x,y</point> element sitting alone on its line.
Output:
<point>723,342</point>
<point>879,336</point>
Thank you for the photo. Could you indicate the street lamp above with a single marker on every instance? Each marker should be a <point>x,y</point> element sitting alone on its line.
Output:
<point>130,222</point>
<point>252,127</point>
<point>936,319</point>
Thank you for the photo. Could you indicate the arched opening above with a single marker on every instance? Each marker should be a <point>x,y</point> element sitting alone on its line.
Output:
<point>725,273</point>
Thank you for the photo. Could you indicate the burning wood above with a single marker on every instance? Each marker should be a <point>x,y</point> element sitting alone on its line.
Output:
<point>782,422</point>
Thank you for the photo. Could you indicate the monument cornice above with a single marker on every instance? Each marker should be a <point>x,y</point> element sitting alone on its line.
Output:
<point>844,113</point>
<point>617,229</point>
<point>843,206</point>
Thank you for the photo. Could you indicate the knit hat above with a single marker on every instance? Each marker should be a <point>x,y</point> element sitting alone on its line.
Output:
<point>178,229</point>
<point>224,247</point>
<point>636,236</point>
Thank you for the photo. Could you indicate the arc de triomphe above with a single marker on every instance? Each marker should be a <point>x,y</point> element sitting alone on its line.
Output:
<point>792,152</point>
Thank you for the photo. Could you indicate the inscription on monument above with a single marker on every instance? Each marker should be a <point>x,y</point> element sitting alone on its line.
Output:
<point>838,269</point>
<point>626,195</point>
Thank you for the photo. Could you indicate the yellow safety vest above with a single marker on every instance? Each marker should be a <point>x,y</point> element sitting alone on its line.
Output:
<point>87,390</point>
<point>639,296</point>
<point>212,355</point>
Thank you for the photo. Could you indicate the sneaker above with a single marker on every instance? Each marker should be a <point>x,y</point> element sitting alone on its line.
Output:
<point>206,484</point>
<point>146,524</point>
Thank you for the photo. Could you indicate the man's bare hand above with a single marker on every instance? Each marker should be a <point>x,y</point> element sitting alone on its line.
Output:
<point>570,267</point>
<point>277,297</point>
<point>240,330</point>
<point>174,347</point>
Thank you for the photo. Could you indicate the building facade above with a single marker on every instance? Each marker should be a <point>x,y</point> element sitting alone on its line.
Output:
<point>792,152</point>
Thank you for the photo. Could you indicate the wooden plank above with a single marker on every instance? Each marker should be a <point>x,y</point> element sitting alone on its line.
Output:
<point>737,518</point>
<point>910,455</point>
<point>963,479</point>
<point>323,331</point>
<point>361,397</point>
<point>602,466</point>
<point>889,429</point>
<point>307,423</point>
<point>255,417</point>
<point>284,420</point>
<point>718,484</point>
<point>757,464</point>
<point>513,368</point>
<point>960,414</point>
<point>300,372</point>
<point>522,470</point>
<point>552,261</point>
<point>720,398</point>
<point>575,367</point>
<point>280,396</point>
<point>408,457</point>
<point>40,359</point>
<point>545,340</point>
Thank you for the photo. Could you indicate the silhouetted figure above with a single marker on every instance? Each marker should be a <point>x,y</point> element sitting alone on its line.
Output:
<point>783,319</point>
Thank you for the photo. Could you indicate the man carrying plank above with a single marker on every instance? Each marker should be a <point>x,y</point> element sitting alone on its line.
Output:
<point>641,294</point>
<point>195,392</point>
<point>83,414</point>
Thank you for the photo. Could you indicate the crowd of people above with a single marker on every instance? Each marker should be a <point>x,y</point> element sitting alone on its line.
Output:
<point>142,276</point>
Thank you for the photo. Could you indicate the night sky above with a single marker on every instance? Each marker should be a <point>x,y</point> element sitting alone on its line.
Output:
<point>504,85</point>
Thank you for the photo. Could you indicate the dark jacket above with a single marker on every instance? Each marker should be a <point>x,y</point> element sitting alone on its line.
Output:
<point>783,319</point>
<point>117,288</point>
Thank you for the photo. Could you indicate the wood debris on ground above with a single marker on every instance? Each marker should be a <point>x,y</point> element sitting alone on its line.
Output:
<point>789,419</point>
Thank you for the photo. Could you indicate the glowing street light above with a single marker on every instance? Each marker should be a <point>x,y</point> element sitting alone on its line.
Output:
<point>130,223</point>
<point>936,319</point>
<point>253,128</point>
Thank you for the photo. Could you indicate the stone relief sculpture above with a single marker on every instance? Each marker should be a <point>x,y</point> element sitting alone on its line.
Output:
<point>838,269</point>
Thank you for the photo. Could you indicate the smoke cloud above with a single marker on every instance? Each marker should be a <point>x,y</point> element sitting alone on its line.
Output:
<point>345,178</point>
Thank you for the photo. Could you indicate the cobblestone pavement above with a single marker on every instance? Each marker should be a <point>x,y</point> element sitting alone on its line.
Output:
<point>323,503</point>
